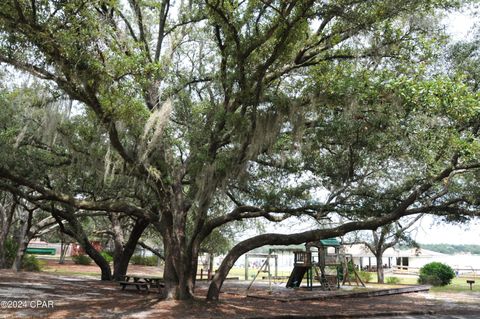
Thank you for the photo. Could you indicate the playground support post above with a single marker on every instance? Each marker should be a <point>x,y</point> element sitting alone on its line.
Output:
<point>266,265</point>
<point>276,267</point>
<point>246,266</point>
<point>310,278</point>
<point>251,256</point>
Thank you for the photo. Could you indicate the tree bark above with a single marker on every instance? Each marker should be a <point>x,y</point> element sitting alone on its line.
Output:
<point>118,242</point>
<point>380,273</point>
<point>120,266</point>
<point>170,275</point>
<point>63,251</point>
<point>156,252</point>
<point>97,258</point>
<point>179,282</point>
<point>5,223</point>
<point>193,267</point>
<point>24,237</point>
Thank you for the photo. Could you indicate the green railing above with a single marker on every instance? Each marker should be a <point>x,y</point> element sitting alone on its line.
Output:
<point>41,251</point>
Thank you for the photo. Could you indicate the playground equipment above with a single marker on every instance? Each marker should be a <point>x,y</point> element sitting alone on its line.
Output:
<point>249,257</point>
<point>329,268</point>
<point>302,265</point>
<point>265,268</point>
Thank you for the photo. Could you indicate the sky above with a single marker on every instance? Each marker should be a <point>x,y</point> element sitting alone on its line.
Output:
<point>460,25</point>
<point>432,232</point>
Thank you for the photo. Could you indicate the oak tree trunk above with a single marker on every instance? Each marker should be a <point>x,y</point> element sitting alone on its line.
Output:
<point>5,223</point>
<point>120,264</point>
<point>97,258</point>
<point>23,239</point>
<point>76,231</point>
<point>178,273</point>
<point>63,252</point>
<point>380,274</point>
<point>219,277</point>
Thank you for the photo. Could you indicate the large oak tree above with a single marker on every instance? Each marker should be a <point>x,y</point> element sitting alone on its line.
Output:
<point>210,112</point>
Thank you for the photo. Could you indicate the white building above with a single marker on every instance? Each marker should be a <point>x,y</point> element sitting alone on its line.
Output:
<point>416,258</point>
<point>412,259</point>
<point>364,258</point>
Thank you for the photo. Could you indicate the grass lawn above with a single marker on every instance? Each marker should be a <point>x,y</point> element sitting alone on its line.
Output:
<point>458,284</point>
<point>240,272</point>
<point>72,273</point>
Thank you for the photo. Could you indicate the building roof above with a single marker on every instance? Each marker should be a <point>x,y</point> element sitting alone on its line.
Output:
<point>419,252</point>
<point>278,248</point>
<point>360,250</point>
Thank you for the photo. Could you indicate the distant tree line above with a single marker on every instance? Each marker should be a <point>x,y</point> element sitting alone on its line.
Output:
<point>452,249</point>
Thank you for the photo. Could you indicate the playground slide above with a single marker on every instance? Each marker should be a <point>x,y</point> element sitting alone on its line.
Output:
<point>296,276</point>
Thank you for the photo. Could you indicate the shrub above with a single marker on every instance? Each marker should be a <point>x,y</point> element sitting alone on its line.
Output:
<point>146,261</point>
<point>436,274</point>
<point>31,263</point>
<point>393,280</point>
<point>11,248</point>
<point>365,276</point>
<point>82,260</point>
<point>351,268</point>
<point>107,256</point>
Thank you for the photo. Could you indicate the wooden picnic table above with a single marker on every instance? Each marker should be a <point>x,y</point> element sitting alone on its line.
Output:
<point>140,281</point>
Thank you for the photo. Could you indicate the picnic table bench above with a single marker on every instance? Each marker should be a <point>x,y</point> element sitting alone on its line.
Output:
<point>137,284</point>
<point>142,282</point>
<point>470,282</point>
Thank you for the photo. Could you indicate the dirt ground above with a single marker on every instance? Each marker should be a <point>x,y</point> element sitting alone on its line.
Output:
<point>50,295</point>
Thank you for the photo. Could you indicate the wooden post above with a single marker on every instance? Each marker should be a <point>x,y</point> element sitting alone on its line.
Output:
<point>211,258</point>
<point>309,278</point>
<point>470,282</point>
<point>276,266</point>
<point>269,274</point>
<point>246,266</point>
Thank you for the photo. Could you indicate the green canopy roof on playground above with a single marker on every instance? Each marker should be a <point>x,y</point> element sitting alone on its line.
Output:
<point>330,242</point>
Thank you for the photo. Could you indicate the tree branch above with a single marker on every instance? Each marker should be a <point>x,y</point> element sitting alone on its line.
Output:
<point>47,194</point>
<point>313,235</point>
<point>153,250</point>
